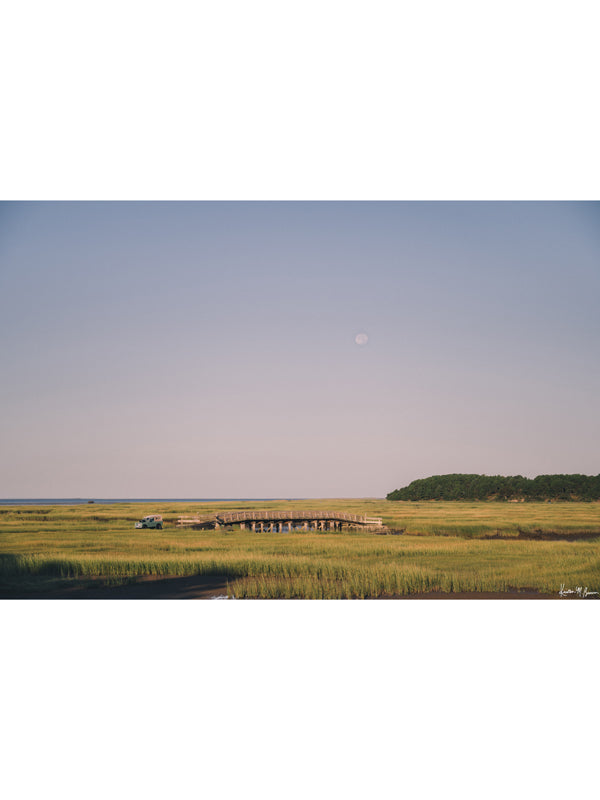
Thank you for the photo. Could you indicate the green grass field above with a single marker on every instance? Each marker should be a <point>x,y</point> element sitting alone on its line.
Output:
<point>444,548</point>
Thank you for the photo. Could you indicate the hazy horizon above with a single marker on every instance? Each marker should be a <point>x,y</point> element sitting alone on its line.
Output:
<point>189,350</point>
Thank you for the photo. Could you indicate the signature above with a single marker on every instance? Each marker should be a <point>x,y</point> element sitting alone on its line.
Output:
<point>580,591</point>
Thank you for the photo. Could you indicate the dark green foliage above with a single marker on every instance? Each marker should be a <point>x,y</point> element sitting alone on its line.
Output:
<point>498,487</point>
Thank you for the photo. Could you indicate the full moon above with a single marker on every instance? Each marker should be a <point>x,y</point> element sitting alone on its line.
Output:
<point>361,339</point>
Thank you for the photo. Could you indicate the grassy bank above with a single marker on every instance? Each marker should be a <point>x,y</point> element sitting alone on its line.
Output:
<point>441,550</point>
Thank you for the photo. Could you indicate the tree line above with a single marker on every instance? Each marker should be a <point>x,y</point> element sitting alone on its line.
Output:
<point>498,487</point>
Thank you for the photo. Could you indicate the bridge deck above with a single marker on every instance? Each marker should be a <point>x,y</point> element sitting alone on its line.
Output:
<point>227,518</point>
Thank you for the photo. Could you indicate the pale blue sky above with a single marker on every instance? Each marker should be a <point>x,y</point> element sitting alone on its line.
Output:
<point>208,349</point>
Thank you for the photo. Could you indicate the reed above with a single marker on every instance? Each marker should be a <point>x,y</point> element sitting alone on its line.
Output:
<point>442,550</point>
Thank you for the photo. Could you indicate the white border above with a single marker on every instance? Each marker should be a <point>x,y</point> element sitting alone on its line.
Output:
<point>309,100</point>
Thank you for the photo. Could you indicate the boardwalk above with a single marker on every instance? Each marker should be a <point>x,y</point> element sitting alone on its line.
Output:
<point>278,521</point>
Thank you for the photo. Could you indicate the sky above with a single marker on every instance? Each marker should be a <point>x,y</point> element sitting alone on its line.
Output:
<point>200,350</point>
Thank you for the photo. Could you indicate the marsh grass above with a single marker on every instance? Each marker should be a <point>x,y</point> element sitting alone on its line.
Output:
<point>442,550</point>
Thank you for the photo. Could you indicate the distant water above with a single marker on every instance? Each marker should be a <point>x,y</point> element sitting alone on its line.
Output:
<point>73,501</point>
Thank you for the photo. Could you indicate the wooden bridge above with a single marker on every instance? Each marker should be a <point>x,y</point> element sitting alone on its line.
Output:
<point>278,521</point>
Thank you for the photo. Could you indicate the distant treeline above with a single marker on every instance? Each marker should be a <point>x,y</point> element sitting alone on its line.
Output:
<point>498,487</point>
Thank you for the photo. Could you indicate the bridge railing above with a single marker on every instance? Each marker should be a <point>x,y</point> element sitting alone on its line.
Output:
<point>245,516</point>
<point>277,516</point>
